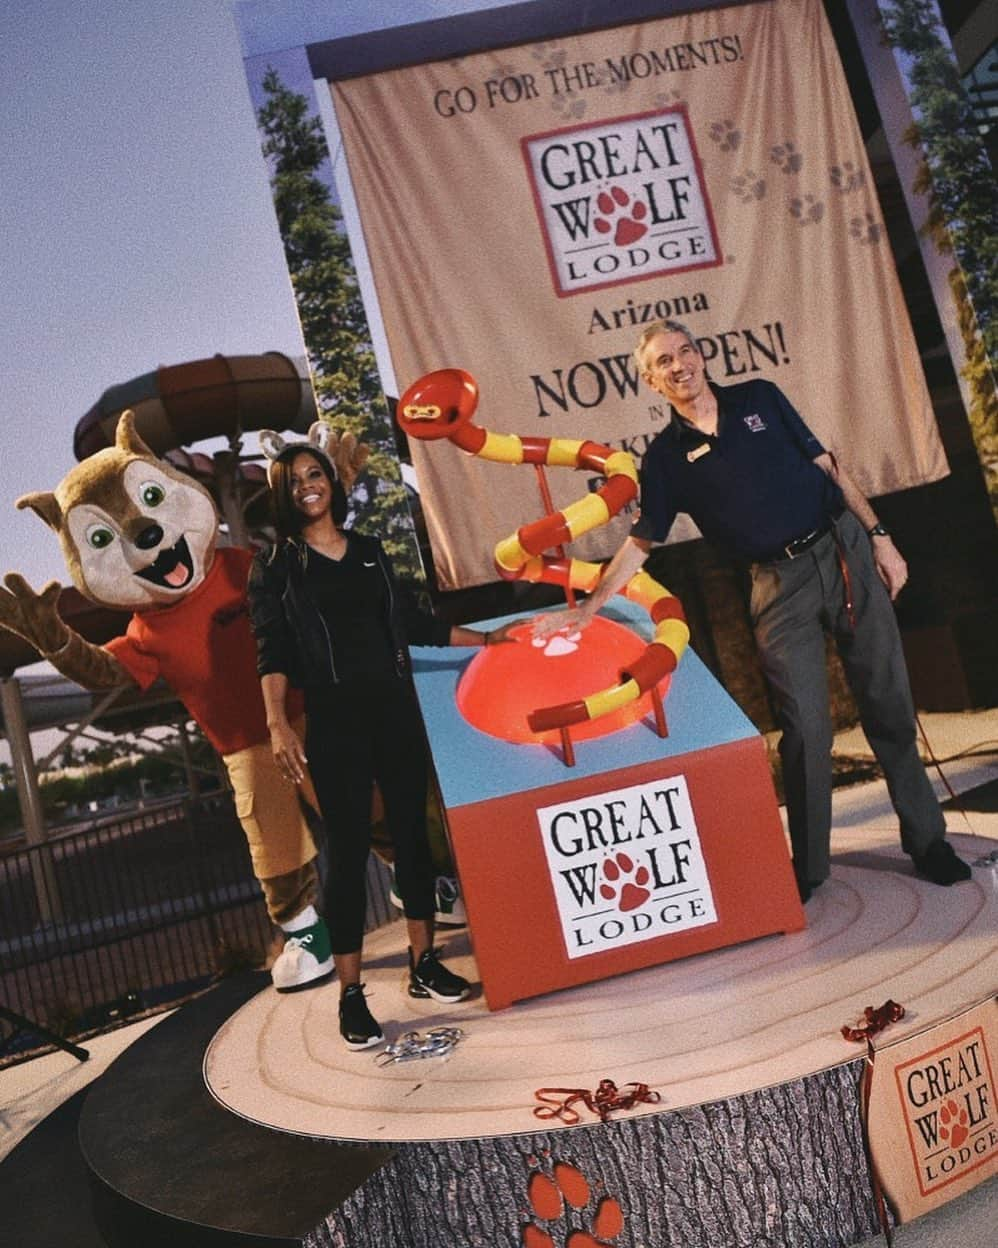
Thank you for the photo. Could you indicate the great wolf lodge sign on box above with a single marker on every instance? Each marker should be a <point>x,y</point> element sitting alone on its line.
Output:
<point>529,210</point>
<point>933,1113</point>
<point>626,866</point>
<point>621,200</point>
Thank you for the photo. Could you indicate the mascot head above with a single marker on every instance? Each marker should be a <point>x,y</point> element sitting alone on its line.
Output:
<point>135,532</point>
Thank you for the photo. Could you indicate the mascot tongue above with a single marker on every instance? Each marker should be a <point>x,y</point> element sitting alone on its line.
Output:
<point>177,576</point>
<point>173,567</point>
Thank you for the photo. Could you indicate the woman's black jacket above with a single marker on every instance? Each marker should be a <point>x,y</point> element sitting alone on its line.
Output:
<point>291,635</point>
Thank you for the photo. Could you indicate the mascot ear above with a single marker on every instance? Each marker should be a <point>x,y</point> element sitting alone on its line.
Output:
<point>320,435</point>
<point>126,438</point>
<point>44,505</point>
<point>271,443</point>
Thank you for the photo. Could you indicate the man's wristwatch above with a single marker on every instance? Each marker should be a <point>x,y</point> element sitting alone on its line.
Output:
<point>878,530</point>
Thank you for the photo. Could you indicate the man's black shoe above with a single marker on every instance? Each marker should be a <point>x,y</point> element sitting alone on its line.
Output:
<point>430,978</point>
<point>357,1025</point>
<point>940,864</point>
<point>806,888</point>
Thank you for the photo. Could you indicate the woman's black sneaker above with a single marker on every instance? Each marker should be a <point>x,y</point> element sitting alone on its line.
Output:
<point>430,978</point>
<point>357,1025</point>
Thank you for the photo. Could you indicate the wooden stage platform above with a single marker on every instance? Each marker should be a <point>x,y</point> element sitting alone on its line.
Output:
<point>242,1120</point>
<point>756,1140</point>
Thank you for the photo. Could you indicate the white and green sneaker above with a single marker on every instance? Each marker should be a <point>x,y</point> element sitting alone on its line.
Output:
<point>449,906</point>
<point>306,959</point>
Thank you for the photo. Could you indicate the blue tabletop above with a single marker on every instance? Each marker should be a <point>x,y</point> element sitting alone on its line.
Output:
<point>473,766</point>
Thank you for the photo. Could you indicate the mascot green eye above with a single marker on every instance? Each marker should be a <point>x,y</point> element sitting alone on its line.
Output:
<point>151,494</point>
<point>99,536</point>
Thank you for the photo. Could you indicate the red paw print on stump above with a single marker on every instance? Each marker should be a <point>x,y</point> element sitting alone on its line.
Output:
<point>549,1194</point>
<point>628,893</point>
<point>954,1124</point>
<point>628,229</point>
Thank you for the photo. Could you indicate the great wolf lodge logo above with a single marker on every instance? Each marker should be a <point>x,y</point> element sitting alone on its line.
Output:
<point>626,866</point>
<point>948,1097</point>
<point>621,200</point>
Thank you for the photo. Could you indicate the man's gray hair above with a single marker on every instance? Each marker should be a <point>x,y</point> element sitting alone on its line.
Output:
<point>662,327</point>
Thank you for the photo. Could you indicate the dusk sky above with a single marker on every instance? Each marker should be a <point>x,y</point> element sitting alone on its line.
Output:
<point>137,224</point>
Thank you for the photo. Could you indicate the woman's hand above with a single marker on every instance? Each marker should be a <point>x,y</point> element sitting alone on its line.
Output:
<point>505,632</point>
<point>289,753</point>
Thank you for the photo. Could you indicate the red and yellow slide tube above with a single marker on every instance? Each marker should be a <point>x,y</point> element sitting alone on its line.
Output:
<point>441,405</point>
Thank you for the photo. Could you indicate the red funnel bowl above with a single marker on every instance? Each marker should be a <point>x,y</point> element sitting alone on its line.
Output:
<point>504,683</point>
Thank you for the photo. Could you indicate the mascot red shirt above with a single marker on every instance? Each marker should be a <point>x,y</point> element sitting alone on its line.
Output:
<point>204,650</point>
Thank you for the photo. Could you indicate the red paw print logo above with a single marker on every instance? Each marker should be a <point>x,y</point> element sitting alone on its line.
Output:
<point>549,1195</point>
<point>954,1124</point>
<point>628,893</point>
<point>628,228</point>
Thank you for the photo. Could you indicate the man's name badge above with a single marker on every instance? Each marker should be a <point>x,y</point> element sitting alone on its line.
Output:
<point>702,449</point>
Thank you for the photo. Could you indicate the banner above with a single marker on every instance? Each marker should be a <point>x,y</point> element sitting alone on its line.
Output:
<point>527,211</point>
<point>932,1118</point>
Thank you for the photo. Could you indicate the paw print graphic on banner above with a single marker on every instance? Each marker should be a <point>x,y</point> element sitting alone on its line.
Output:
<point>551,1197</point>
<point>846,177</point>
<point>785,155</point>
<point>628,228</point>
<point>623,883</point>
<point>667,99</point>
<point>866,229</point>
<point>549,55</point>
<point>569,104</point>
<point>953,1124</point>
<point>749,186</point>
<point>807,209</point>
<point>726,135</point>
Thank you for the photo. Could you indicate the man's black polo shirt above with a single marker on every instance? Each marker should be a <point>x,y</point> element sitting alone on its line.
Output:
<point>751,488</point>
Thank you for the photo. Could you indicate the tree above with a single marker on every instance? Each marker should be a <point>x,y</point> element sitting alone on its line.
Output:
<point>959,181</point>
<point>335,328</point>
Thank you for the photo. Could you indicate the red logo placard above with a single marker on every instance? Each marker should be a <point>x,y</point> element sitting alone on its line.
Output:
<point>621,200</point>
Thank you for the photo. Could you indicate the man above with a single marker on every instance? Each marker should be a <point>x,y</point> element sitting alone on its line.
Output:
<point>740,461</point>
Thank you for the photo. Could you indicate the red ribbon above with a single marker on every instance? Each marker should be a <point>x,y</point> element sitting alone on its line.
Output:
<point>874,1021</point>
<point>560,1102</point>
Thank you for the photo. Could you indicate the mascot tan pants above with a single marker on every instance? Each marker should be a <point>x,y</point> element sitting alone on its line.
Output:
<point>280,843</point>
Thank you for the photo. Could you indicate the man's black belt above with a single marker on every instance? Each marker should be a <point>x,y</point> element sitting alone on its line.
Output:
<point>798,545</point>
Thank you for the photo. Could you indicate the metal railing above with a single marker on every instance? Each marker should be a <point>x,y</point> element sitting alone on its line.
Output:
<point>129,917</point>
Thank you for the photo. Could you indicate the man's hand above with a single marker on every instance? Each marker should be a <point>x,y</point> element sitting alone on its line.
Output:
<point>35,617</point>
<point>544,626</point>
<point>890,564</point>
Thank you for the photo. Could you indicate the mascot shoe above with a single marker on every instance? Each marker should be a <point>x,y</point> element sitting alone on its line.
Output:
<point>306,959</point>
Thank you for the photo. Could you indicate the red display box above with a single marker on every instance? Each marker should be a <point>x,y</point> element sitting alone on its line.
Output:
<point>647,850</point>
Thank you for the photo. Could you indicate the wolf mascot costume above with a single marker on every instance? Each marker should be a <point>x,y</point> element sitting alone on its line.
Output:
<point>138,534</point>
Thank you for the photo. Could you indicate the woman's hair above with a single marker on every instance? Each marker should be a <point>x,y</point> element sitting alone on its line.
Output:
<point>288,520</point>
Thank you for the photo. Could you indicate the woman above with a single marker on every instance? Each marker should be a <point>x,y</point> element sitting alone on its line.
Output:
<point>329,616</point>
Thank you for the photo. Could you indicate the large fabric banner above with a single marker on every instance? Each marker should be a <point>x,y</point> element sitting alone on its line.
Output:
<point>528,210</point>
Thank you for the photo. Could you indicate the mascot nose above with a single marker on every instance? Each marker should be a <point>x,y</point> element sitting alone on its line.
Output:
<point>150,536</point>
